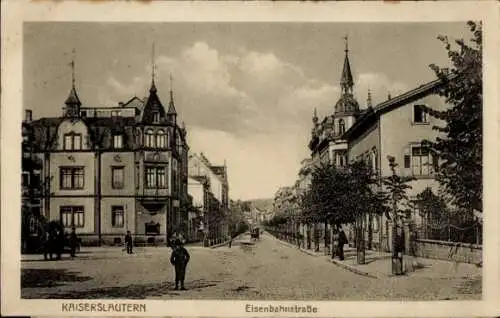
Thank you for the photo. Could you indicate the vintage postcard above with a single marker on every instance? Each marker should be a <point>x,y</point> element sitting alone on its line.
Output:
<point>249,159</point>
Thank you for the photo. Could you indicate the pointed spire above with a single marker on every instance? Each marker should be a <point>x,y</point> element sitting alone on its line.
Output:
<point>346,80</point>
<point>171,106</point>
<point>369,99</point>
<point>73,102</point>
<point>153,85</point>
<point>315,116</point>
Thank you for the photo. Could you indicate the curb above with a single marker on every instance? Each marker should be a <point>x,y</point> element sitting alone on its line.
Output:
<point>352,269</point>
<point>226,242</point>
<point>334,261</point>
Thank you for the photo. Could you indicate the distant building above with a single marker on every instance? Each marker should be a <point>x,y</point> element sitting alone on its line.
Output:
<point>215,209</point>
<point>110,170</point>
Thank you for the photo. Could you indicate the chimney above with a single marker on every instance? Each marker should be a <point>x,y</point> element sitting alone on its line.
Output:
<point>121,104</point>
<point>28,115</point>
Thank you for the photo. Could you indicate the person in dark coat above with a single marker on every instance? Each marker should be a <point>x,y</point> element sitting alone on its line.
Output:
<point>335,242</point>
<point>342,242</point>
<point>128,242</point>
<point>179,258</point>
<point>73,241</point>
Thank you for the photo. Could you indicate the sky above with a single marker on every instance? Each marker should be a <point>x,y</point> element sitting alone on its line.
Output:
<point>246,91</point>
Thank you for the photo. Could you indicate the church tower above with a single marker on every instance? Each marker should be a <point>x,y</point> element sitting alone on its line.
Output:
<point>346,108</point>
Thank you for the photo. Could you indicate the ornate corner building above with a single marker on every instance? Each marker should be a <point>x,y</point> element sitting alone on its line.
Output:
<point>109,170</point>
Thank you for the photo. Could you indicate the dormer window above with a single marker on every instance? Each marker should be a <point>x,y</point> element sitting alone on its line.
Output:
<point>118,141</point>
<point>156,117</point>
<point>341,127</point>
<point>72,141</point>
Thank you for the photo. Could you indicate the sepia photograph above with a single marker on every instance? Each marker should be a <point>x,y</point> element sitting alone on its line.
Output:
<point>285,162</point>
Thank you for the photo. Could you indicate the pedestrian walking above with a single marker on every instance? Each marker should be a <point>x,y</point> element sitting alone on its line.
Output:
<point>73,240</point>
<point>128,242</point>
<point>179,259</point>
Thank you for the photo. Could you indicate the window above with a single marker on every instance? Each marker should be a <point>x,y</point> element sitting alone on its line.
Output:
<point>71,178</point>
<point>115,113</point>
<point>156,117</point>
<point>72,216</point>
<point>149,142</point>
<point>422,161</point>
<point>419,115</point>
<point>72,141</point>
<point>83,113</point>
<point>25,181</point>
<point>117,177</point>
<point>118,141</point>
<point>117,216</point>
<point>374,160</point>
<point>341,127</point>
<point>160,177</point>
<point>407,160</point>
<point>156,177</point>
<point>161,139</point>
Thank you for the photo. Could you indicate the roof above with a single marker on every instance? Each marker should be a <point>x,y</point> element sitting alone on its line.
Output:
<point>73,97</point>
<point>370,115</point>
<point>346,79</point>
<point>171,107</point>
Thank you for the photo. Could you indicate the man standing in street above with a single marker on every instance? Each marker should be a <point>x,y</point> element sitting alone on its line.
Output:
<point>179,258</point>
<point>128,242</point>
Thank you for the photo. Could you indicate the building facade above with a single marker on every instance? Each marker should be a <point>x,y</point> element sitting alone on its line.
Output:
<point>396,127</point>
<point>112,170</point>
<point>210,190</point>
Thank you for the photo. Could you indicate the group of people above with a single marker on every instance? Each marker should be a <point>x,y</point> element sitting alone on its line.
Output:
<point>338,240</point>
<point>55,241</point>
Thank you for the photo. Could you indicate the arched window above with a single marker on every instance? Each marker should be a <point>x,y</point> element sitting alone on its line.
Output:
<point>161,139</point>
<point>149,138</point>
<point>374,160</point>
<point>341,127</point>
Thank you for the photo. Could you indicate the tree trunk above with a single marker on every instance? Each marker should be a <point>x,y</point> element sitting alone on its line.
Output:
<point>316,237</point>
<point>308,232</point>
<point>327,248</point>
<point>360,248</point>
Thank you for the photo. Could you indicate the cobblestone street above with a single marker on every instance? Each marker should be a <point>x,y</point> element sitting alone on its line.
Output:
<point>267,269</point>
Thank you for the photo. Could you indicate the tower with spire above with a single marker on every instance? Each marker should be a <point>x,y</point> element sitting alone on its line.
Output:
<point>72,108</point>
<point>171,113</point>
<point>347,104</point>
<point>153,112</point>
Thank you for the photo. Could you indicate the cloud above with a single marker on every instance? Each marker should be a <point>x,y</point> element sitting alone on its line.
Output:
<point>251,108</point>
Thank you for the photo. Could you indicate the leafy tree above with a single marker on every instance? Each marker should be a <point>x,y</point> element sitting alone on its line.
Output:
<point>460,150</point>
<point>430,205</point>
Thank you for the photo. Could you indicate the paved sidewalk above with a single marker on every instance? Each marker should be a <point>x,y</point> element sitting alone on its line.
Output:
<point>378,264</point>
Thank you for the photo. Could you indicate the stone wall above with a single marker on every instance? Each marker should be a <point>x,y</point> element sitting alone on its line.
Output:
<point>459,252</point>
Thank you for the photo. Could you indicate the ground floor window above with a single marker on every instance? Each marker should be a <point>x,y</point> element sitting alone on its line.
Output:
<point>152,228</point>
<point>117,216</point>
<point>72,216</point>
